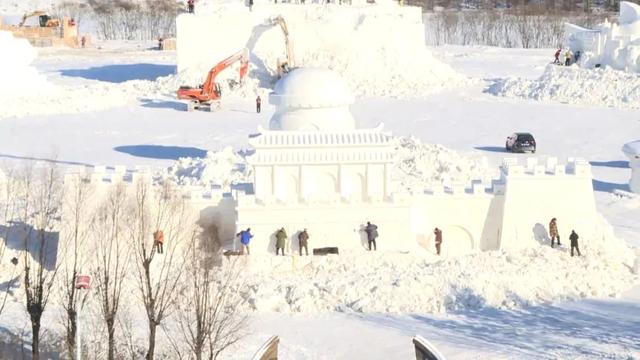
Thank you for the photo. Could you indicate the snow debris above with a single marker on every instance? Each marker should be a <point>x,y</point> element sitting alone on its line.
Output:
<point>417,165</point>
<point>221,168</point>
<point>575,85</point>
<point>16,72</point>
<point>362,281</point>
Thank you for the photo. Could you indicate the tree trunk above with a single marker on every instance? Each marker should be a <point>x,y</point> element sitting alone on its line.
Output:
<point>111,328</point>
<point>35,342</point>
<point>152,339</point>
<point>71,333</point>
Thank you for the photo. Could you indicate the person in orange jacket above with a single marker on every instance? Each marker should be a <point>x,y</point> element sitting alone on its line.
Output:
<point>158,241</point>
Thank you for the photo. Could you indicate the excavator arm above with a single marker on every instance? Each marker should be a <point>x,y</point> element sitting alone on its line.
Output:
<point>209,91</point>
<point>243,56</point>
<point>279,20</point>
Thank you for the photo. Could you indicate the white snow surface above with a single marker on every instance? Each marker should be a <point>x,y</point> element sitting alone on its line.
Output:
<point>575,85</point>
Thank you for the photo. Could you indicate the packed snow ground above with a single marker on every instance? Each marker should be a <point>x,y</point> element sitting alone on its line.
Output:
<point>157,132</point>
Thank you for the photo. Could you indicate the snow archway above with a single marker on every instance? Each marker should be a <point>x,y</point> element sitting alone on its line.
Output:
<point>456,240</point>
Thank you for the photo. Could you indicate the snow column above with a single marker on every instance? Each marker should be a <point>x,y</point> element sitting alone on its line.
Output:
<point>632,150</point>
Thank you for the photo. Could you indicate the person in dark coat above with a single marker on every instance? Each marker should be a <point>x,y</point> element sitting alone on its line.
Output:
<point>438,234</point>
<point>303,237</point>
<point>258,104</point>
<point>245,238</point>
<point>372,234</point>
<point>191,6</point>
<point>553,231</point>
<point>281,239</point>
<point>250,5</point>
<point>574,242</point>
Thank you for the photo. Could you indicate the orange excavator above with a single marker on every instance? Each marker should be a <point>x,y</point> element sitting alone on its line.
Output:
<point>207,95</point>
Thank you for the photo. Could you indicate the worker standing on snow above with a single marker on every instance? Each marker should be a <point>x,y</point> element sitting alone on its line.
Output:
<point>438,234</point>
<point>250,5</point>
<point>281,239</point>
<point>574,242</point>
<point>557,56</point>
<point>372,234</point>
<point>553,232</point>
<point>567,57</point>
<point>258,104</point>
<point>158,241</point>
<point>303,237</point>
<point>191,6</point>
<point>245,238</point>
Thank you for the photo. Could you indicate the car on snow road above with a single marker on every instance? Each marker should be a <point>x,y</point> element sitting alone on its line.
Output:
<point>520,142</point>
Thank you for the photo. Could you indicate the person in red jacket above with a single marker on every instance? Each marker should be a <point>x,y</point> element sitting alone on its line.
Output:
<point>557,56</point>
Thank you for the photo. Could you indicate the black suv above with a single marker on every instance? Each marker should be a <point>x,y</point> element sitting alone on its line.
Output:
<point>520,142</point>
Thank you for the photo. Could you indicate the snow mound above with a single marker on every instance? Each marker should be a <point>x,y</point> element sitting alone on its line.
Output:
<point>378,50</point>
<point>219,168</point>
<point>17,75</point>
<point>409,283</point>
<point>417,165</point>
<point>575,85</point>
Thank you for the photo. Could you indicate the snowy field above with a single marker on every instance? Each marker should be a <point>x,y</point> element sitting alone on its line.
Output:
<point>119,115</point>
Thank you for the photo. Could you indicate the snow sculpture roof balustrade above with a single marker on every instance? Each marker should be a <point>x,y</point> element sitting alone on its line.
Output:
<point>312,147</point>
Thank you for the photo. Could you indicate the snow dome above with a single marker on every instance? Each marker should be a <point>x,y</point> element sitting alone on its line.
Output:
<point>311,99</point>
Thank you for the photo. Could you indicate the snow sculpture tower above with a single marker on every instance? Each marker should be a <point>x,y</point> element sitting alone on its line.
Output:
<point>632,150</point>
<point>314,169</point>
<point>312,99</point>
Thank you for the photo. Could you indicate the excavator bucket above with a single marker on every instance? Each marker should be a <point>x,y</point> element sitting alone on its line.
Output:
<point>426,350</point>
<point>268,351</point>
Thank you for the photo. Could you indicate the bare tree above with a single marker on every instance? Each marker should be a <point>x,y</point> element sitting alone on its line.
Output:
<point>73,9</point>
<point>111,258</point>
<point>76,230</point>
<point>8,207</point>
<point>158,208</point>
<point>39,194</point>
<point>210,318</point>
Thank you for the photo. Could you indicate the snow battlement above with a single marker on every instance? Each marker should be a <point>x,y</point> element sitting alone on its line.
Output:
<point>103,177</point>
<point>511,168</point>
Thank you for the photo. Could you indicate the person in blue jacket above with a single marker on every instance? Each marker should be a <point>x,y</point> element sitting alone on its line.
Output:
<point>245,238</point>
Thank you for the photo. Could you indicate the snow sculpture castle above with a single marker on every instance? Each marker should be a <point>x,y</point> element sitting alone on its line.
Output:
<point>615,45</point>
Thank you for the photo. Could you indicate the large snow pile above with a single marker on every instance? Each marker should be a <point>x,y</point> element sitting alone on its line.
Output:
<point>17,75</point>
<point>417,166</point>
<point>220,168</point>
<point>379,50</point>
<point>575,85</point>
<point>409,283</point>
